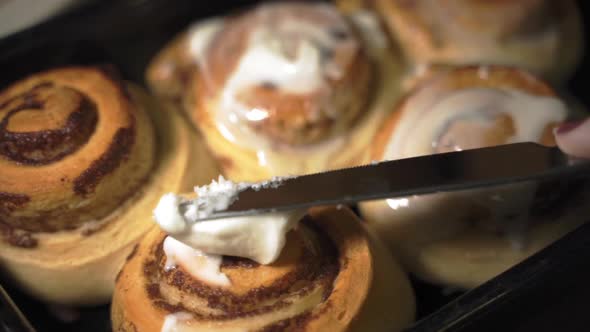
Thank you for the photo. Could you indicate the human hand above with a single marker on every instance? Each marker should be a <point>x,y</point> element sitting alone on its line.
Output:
<point>573,138</point>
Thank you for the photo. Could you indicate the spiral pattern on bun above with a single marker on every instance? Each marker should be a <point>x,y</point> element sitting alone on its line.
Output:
<point>293,72</point>
<point>331,274</point>
<point>84,157</point>
<point>282,88</point>
<point>68,138</point>
<point>464,238</point>
<point>471,107</point>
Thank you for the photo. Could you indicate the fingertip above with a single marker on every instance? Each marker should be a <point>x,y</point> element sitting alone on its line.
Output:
<point>574,138</point>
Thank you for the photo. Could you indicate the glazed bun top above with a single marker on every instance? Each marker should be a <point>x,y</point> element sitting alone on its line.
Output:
<point>471,107</point>
<point>292,73</point>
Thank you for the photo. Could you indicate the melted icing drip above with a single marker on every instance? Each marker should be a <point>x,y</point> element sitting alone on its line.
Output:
<point>431,115</point>
<point>177,322</point>
<point>295,56</point>
<point>201,266</point>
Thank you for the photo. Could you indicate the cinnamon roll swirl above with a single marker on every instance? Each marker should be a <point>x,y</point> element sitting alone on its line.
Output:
<point>82,155</point>
<point>542,36</point>
<point>284,88</point>
<point>463,239</point>
<point>331,274</point>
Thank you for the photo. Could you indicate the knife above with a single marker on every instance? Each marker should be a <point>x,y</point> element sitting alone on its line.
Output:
<point>443,172</point>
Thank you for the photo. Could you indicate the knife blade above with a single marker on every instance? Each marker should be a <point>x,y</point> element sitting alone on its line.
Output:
<point>443,172</point>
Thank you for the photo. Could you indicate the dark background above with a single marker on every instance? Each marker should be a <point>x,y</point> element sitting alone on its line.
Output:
<point>549,292</point>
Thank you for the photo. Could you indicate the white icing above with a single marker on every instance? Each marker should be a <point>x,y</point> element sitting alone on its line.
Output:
<point>167,214</point>
<point>202,266</point>
<point>200,36</point>
<point>172,210</point>
<point>370,28</point>
<point>216,196</point>
<point>264,61</point>
<point>260,238</point>
<point>430,114</point>
<point>176,322</point>
<point>288,55</point>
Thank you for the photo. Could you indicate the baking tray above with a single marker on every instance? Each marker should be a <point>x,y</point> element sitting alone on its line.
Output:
<point>547,292</point>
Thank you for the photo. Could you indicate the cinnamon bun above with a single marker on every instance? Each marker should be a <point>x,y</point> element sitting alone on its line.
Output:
<point>542,36</point>
<point>463,239</point>
<point>83,155</point>
<point>330,274</point>
<point>284,88</point>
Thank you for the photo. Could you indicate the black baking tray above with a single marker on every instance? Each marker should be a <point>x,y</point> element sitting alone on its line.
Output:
<point>550,291</point>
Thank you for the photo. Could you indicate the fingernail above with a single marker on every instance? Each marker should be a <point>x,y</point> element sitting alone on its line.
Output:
<point>567,127</point>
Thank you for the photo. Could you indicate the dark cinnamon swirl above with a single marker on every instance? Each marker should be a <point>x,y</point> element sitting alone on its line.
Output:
<point>82,156</point>
<point>463,239</point>
<point>331,274</point>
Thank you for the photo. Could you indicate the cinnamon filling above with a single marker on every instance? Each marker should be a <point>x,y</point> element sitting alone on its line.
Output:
<point>306,269</point>
<point>84,184</point>
<point>10,202</point>
<point>117,152</point>
<point>17,237</point>
<point>45,124</point>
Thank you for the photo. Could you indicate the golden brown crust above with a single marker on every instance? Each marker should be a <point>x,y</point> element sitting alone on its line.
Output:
<point>78,266</point>
<point>59,151</point>
<point>455,79</point>
<point>303,290</point>
<point>489,32</point>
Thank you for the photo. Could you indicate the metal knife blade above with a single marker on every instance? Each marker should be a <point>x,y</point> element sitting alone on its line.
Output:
<point>451,171</point>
